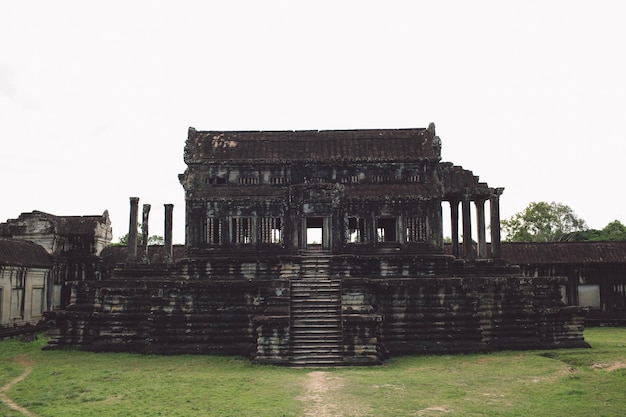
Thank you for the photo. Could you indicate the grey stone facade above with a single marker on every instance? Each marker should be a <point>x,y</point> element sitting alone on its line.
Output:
<point>321,248</point>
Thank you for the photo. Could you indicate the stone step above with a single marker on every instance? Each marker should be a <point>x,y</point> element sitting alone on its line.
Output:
<point>315,286</point>
<point>312,343</point>
<point>312,304</point>
<point>304,348</point>
<point>318,312</point>
<point>313,340</point>
<point>316,353</point>
<point>311,336</point>
<point>298,321</point>
<point>309,320</point>
<point>316,337</point>
<point>314,362</point>
<point>315,312</point>
<point>316,292</point>
<point>310,299</point>
<point>316,331</point>
<point>332,297</point>
<point>316,281</point>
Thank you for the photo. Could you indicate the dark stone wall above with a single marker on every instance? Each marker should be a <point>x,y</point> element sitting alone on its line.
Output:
<point>610,277</point>
<point>390,305</point>
<point>168,317</point>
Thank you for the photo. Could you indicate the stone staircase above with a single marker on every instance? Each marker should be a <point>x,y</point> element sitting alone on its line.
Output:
<point>315,333</point>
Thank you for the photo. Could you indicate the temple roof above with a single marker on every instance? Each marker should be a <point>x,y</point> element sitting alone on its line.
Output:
<point>371,145</point>
<point>64,225</point>
<point>23,253</point>
<point>564,252</point>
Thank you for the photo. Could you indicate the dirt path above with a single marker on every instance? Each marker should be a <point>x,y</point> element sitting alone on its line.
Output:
<point>9,402</point>
<point>324,397</point>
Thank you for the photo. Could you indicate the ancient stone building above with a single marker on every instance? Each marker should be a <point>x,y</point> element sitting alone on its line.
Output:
<point>320,248</point>
<point>74,244</point>
<point>595,274</point>
<point>25,268</point>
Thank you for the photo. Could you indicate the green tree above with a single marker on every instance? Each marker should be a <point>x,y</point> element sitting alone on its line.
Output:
<point>152,240</point>
<point>543,222</point>
<point>614,231</point>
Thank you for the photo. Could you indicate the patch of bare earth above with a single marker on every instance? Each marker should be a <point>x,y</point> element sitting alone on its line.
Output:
<point>324,397</point>
<point>432,411</point>
<point>27,363</point>
<point>609,366</point>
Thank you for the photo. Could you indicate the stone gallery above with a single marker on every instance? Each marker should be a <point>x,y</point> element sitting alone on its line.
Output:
<point>39,252</point>
<point>319,248</point>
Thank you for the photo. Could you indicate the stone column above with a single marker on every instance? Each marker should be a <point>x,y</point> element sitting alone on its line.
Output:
<point>494,208</point>
<point>167,247</point>
<point>144,232</point>
<point>454,219</point>
<point>480,226</point>
<point>132,230</point>
<point>467,226</point>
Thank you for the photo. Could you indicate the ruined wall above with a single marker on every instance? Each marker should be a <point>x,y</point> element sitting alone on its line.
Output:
<point>22,294</point>
<point>600,287</point>
<point>494,309</point>
<point>390,305</point>
<point>156,309</point>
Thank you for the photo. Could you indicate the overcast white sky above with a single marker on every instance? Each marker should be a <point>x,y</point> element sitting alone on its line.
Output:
<point>96,97</point>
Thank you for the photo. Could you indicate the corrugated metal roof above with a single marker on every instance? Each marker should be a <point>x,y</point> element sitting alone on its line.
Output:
<point>17,252</point>
<point>564,252</point>
<point>312,145</point>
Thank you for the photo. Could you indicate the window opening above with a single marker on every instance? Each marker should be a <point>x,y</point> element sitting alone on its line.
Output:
<point>247,181</point>
<point>241,230</point>
<point>382,178</point>
<point>386,229</point>
<point>212,230</point>
<point>589,296</point>
<point>356,230</point>
<point>279,180</point>
<point>619,296</point>
<point>271,230</point>
<point>415,229</point>
<point>350,179</point>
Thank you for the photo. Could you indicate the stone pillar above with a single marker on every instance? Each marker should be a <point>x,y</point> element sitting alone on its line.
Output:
<point>494,208</point>
<point>480,226</point>
<point>167,247</point>
<point>454,219</point>
<point>144,232</point>
<point>467,227</point>
<point>132,230</point>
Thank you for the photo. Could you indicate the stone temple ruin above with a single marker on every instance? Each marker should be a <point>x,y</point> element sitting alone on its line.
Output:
<point>320,248</point>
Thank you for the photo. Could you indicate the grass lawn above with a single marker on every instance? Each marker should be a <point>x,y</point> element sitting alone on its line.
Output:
<point>567,382</point>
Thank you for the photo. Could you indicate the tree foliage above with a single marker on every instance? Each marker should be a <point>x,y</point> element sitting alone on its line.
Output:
<point>152,240</point>
<point>614,231</point>
<point>543,222</point>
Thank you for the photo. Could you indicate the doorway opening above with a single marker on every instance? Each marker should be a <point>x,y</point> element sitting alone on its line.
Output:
<point>314,232</point>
